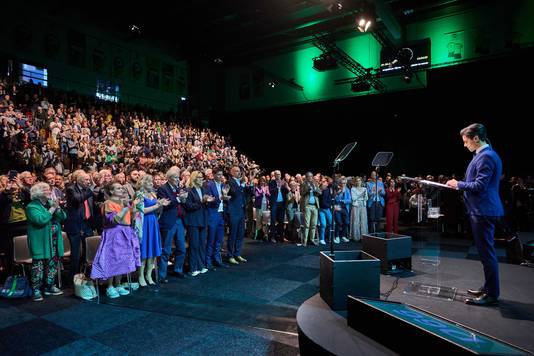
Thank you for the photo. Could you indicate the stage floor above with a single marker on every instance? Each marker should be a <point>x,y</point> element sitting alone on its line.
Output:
<point>251,308</point>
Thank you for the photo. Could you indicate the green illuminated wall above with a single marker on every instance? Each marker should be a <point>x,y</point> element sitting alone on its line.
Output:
<point>484,31</point>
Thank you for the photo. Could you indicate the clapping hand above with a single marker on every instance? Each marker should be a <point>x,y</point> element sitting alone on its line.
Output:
<point>163,202</point>
<point>208,198</point>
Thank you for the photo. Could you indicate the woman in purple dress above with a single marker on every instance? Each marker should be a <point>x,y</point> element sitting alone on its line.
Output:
<point>118,252</point>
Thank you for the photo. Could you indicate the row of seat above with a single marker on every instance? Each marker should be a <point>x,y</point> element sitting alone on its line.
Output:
<point>22,255</point>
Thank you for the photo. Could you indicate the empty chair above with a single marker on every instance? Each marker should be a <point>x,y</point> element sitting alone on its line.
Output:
<point>66,253</point>
<point>21,252</point>
<point>91,246</point>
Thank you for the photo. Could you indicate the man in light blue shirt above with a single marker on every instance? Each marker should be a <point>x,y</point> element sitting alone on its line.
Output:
<point>375,203</point>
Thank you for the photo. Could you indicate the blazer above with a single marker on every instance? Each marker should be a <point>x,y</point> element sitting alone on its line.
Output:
<point>305,192</point>
<point>273,189</point>
<point>76,209</point>
<point>481,184</point>
<point>196,210</point>
<point>40,230</point>
<point>238,198</point>
<point>211,189</point>
<point>172,212</point>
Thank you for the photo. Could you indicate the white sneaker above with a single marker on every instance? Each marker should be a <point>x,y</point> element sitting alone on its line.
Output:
<point>195,273</point>
<point>112,293</point>
<point>322,242</point>
<point>122,291</point>
<point>344,239</point>
<point>204,270</point>
<point>336,240</point>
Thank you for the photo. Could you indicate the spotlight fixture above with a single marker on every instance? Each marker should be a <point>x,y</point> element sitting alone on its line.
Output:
<point>366,16</point>
<point>335,6</point>
<point>272,84</point>
<point>364,23</point>
<point>360,85</point>
<point>134,29</point>
<point>324,62</point>
<point>218,60</point>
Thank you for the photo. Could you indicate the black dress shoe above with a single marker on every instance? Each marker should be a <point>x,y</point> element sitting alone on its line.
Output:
<point>483,300</point>
<point>211,268</point>
<point>163,281</point>
<point>476,292</point>
<point>222,265</point>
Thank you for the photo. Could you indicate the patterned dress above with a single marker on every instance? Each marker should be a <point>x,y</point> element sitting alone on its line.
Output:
<point>118,252</point>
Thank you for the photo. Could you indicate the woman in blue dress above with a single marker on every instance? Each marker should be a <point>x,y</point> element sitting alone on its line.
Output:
<point>147,227</point>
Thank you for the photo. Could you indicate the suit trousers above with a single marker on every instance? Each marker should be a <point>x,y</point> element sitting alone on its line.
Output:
<point>215,238</point>
<point>310,223</point>
<point>237,233</point>
<point>176,233</point>
<point>483,228</point>
<point>76,240</point>
<point>197,247</point>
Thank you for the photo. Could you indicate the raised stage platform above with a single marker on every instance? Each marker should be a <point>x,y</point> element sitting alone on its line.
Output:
<point>442,282</point>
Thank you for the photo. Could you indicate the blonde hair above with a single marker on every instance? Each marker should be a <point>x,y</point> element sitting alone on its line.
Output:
<point>192,178</point>
<point>143,180</point>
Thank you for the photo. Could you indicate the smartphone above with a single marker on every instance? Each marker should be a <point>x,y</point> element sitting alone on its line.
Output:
<point>12,175</point>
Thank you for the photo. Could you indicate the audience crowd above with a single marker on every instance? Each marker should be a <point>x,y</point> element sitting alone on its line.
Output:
<point>157,191</point>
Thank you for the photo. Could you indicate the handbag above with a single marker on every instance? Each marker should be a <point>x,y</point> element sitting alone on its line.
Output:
<point>16,287</point>
<point>84,287</point>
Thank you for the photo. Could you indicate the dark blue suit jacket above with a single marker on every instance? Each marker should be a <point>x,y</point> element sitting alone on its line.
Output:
<point>481,185</point>
<point>273,189</point>
<point>171,212</point>
<point>76,209</point>
<point>211,189</point>
<point>238,198</point>
<point>196,210</point>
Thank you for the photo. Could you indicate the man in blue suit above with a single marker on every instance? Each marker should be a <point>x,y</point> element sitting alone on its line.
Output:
<point>214,187</point>
<point>484,207</point>
<point>79,222</point>
<point>171,224</point>
<point>239,192</point>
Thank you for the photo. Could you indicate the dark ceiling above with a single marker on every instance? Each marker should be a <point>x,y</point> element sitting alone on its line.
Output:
<point>243,30</point>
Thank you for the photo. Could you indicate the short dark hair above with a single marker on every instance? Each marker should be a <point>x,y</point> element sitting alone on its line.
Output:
<point>473,130</point>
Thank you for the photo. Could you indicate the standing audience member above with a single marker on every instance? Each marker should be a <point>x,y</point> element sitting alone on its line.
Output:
<point>172,225</point>
<point>375,203</point>
<point>196,220</point>
<point>44,239</point>
<point>393,197</point>
<point>79,223</point>
<point>310,192</point>
<point>118,252</point>
<point>278,189</point>
<point>216,188</point>
<point>150,237</point>
<point>358,215</point>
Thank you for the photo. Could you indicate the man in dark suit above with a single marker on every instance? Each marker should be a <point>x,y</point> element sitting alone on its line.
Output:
<point>214,187</point>
<point>484,207</point>
<point>278,189</point>
<point>238,193</point>
<point>171,224</point>
<point>79,223</point>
